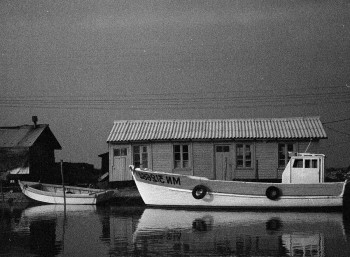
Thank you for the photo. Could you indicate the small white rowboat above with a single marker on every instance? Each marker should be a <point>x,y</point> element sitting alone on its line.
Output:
<point>53,194</point>
<point>302,186</point>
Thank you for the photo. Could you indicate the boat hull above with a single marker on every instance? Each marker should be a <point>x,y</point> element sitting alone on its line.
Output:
<point>54,194</point>
<point>167,189</point>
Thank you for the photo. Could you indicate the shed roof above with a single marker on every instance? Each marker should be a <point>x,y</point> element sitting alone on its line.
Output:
<point>259,128</point>
<point>25,136</point>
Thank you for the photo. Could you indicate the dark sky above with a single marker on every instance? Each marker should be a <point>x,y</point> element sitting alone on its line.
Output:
<point>79,65</point>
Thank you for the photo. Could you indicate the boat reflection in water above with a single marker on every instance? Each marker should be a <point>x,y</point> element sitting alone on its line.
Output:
<point>88,230</point>
<point>212,233</point>
<point>41,230</point>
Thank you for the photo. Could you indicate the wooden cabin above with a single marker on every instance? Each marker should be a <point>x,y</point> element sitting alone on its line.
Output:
<point>224,149</point>
<point>27,151</point>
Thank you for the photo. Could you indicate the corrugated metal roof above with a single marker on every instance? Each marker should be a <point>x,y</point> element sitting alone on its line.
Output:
<point>271,128</point>
<point>24,136</point>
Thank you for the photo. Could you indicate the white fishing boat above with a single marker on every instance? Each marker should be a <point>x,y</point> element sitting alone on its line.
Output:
<point>303,185</point>
<point>54,194</point>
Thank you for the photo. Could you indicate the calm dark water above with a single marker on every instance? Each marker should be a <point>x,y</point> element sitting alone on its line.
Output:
<point>48,230</point>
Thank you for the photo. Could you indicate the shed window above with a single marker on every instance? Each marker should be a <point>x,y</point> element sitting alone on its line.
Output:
<point>140,156</point>
<point>243,156</point>
<point>181,156</point>
<point>222,148</point>
<point>283,156</point>
<point>121,152</point>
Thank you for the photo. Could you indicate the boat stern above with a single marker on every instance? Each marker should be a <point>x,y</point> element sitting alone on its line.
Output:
<point>346,194</point>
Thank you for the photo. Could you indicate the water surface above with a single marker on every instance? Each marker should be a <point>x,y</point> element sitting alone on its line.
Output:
<point>50,230</point>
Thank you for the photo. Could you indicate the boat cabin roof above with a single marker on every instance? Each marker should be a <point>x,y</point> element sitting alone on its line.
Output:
<point>309,155</point>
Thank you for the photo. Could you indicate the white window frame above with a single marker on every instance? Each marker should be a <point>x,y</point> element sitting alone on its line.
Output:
<point>286,153</point>
<point>244,157</point>
<point>182,155</point>
<point>141,160</point>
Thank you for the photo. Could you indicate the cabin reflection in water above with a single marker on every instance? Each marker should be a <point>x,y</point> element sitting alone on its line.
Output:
<point>43,238</point>
<point>118,225</point>
<point>237,233</point>
<point>40,230</point>
<point>48,230</point>
<point>304,244</point>
<point>28,232</point>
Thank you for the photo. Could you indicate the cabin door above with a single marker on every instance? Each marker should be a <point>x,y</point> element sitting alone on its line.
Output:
<point>119,169</point>
<point>222,161</point>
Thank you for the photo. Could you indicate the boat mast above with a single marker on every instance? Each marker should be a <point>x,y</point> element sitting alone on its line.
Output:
<point>63,188</point>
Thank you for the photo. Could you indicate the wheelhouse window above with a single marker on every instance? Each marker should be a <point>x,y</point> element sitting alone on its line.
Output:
<point>243,156</point>
<point>181,156</point>
<point>140,156</point>
<point>283,156</point>
<point>298,163</point>
<point>311,164</point>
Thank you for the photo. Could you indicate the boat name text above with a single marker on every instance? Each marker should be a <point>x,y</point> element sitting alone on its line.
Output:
<point>159,178</point>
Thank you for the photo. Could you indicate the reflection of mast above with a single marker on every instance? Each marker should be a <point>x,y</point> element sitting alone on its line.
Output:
<point>43,236</point>
<point>64,227</point>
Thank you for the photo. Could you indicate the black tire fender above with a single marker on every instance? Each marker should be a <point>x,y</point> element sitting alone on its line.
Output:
<point>273,193</point>
<point>199,191</point>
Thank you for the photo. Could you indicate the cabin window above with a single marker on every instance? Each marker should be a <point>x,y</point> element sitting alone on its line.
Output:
<point>283,156</point>
<point>298,163</point>
<point>181,156</point>
<point>307,163</point>
<point>311,163</point>
<point>243,156</point>
<point>140,156</point>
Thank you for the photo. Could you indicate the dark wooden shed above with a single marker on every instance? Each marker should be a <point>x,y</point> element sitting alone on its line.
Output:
<point>27,152</point>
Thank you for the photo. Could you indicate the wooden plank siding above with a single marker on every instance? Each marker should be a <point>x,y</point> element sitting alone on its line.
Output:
<point>204,135</point>
<point>163,157</point>
<point>203,159</point>
<point>304,146</point>
<point>267,156</point>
